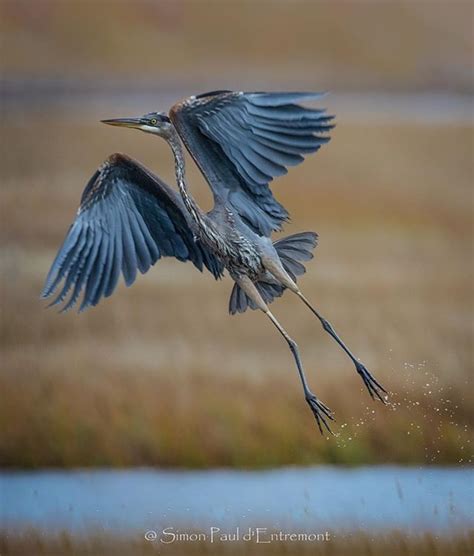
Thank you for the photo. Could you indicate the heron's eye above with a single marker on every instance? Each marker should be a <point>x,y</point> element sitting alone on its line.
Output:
<point>153,121</point>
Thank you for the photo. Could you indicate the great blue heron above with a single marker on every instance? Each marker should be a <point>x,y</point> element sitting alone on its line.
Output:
<point>128,218</point>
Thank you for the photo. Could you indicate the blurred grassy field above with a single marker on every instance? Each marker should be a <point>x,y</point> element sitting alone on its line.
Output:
<point>396,45</point>
<point>394,543</point>
<point>160,374</point>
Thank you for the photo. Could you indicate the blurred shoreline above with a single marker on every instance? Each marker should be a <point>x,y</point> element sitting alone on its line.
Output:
<point>73,99</point>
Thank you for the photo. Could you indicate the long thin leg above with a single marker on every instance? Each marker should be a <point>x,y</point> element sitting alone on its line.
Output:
<point>373,386</point>
<point>320,410</point>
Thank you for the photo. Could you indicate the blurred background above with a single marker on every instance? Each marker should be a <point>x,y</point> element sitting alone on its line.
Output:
<point>160,374</point>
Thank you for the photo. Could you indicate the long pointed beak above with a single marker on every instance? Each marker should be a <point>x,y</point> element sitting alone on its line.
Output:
<point>124,122</point>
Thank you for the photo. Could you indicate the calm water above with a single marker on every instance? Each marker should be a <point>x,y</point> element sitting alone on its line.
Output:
<point>369,498</point>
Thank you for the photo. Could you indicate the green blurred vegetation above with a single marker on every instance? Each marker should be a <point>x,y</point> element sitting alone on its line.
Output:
<point>124,419</point>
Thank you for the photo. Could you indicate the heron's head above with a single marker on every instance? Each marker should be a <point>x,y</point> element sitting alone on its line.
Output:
<point>157,123</point>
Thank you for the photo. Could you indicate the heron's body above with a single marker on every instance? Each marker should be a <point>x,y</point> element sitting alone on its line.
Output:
<point>129,218</point>
<point>238,248</point>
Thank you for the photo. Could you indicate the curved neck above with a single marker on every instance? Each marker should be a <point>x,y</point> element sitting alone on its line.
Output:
<point>180,171</point>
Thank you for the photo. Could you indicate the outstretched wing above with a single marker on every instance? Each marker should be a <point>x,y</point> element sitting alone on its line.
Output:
<point>241,141</point>
<point>127,220</point>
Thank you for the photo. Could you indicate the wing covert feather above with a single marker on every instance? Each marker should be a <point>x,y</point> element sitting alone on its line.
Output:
<point>241,141</point>
<point>128,219</point>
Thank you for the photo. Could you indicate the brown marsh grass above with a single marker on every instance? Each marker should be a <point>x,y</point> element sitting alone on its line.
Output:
<point>393,543</point>
<point>161,375</point>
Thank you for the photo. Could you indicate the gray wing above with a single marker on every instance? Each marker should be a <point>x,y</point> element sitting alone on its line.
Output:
<point>241,141</point>
<point>127,220</point>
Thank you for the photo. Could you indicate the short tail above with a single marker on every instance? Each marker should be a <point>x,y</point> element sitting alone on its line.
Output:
<point>292,250</point>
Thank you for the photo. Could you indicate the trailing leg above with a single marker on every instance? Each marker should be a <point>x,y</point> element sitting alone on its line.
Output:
<point>374,388</point>
<point>321,411</point>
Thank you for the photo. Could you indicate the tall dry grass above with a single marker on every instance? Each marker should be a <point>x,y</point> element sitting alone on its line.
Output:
<point>390,544</point>
<point>160,374</point>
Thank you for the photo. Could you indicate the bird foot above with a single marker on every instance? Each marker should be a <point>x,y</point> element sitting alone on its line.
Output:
<point>320,411</point>
<point>375,389</point>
